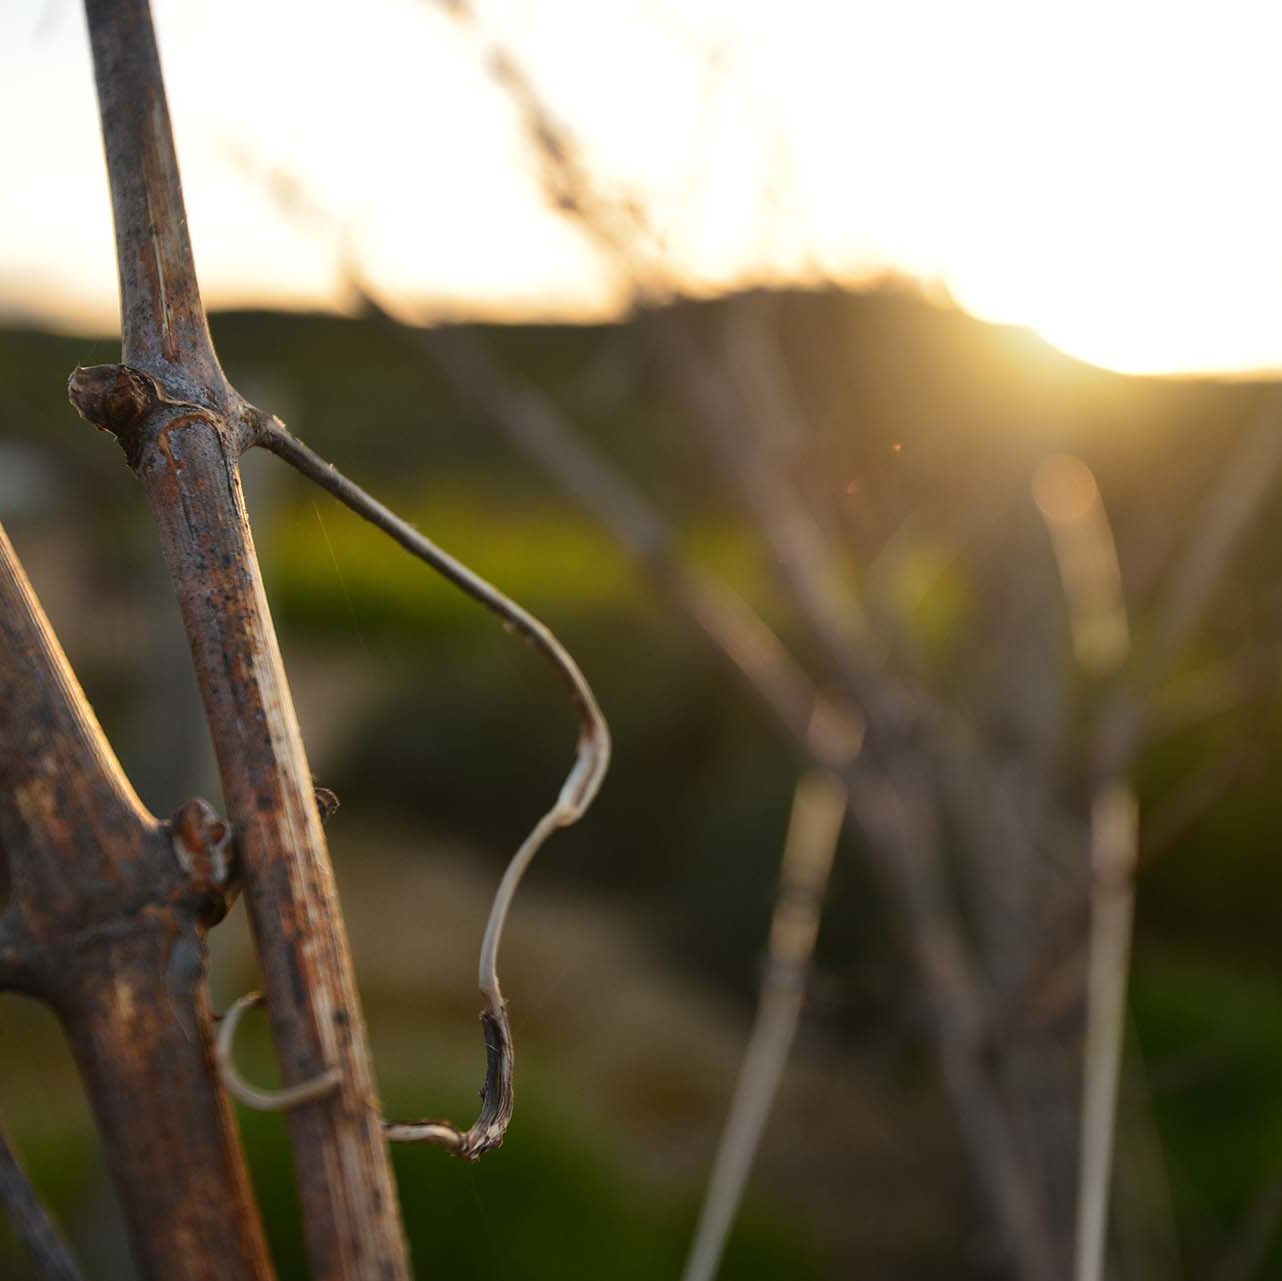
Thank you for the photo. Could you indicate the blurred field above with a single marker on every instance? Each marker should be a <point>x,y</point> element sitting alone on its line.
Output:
<point>633,955</point>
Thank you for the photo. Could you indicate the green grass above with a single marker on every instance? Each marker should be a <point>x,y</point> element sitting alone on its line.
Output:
<point>1209,1030</point>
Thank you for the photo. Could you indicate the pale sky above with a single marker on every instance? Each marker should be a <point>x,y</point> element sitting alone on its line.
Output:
<point>1105,172</point>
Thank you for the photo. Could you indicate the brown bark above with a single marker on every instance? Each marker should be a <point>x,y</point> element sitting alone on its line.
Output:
<point>183,428</point>
<point>163,328</point>
<point>106,923</point>
<point>187,461</point>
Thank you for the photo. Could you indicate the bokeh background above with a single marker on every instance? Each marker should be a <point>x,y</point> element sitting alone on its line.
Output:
<point>825,216</point>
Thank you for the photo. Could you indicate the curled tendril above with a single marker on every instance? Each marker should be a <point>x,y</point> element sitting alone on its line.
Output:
<point>577,793</point>
<point>292,1096</point>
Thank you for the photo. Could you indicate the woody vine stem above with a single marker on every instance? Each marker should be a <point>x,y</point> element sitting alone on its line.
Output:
<point>183,428</point>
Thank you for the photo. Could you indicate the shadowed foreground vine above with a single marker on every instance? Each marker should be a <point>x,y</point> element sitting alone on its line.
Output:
<point>110,906</point>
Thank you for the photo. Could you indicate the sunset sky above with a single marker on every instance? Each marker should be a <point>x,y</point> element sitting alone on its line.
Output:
<point>1104,172</point>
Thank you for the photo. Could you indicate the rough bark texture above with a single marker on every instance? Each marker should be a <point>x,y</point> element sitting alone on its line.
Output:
<point>106,923</point>
<point>183,428</point>
<point>162,321</point>
<point>187,464</point>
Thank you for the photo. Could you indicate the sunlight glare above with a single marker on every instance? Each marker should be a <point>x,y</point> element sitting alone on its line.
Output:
<point>1099,172</point>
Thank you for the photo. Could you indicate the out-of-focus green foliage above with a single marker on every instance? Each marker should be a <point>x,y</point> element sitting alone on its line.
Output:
<point>429,720</point>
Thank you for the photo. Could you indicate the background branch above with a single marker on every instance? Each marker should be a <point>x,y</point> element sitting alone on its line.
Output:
<point>1225,514</point>
<point>31,1222</point>
<point>818,807</point>
<point>534,423</point>
<point>899,833</point>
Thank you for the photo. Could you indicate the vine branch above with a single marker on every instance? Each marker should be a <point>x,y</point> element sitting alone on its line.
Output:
<point>106,924</point>
<point>184,428</point>
<point>577,792</point>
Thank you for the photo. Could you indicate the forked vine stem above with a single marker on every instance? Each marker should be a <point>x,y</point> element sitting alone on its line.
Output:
<point>577,792</point>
